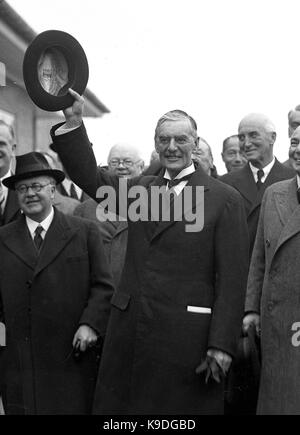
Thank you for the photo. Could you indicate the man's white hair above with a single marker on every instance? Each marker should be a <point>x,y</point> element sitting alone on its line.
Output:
<point>259,118</point>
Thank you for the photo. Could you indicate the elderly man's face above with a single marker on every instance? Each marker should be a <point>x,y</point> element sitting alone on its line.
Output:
<point>7,149</point>
<point>294,122</point>
<point>203,157</point>
<point>233,156</point>
<point>125,162</point>
<point>295,150</point>
<point>36,203</point>
<point>175,143</point>
<point>256,141</point>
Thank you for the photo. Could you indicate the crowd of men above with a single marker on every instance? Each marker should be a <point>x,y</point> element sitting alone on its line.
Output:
<point>109,314</point>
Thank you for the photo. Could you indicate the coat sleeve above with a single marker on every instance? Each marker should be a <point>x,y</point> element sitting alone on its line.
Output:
<point>257,265</point>
<point>77,156</point>
<point>231,268</point>
<point>97,310</point>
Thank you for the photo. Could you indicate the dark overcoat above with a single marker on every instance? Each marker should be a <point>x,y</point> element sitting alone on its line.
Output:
<point>243,181</point>
<point>154,343</point>
<point>273,291</point>
<point>43,300</point>
<point>114,235</point>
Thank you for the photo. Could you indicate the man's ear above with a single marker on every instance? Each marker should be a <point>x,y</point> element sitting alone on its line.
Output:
<point>273,136</point>
<point>14,147</point>
<point>197,143</point>
<point>53,190</point>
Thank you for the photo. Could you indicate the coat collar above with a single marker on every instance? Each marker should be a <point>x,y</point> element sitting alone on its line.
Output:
<point>12,207</point>
<point>246,185</point>
<point>18,240</point>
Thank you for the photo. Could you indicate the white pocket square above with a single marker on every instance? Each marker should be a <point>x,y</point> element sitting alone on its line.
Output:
<point>202,310</point>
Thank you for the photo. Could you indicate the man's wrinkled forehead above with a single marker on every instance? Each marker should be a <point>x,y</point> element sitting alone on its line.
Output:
<point>31,180</point>
<point>294,116</point>
<point>123,152</point>
<point>296,135</point>
<point>179,126</point>
<point>254,124</point>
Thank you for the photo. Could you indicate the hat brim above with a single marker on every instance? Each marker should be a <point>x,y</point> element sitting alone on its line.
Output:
<point>10,182</point>
<point>78,70</point>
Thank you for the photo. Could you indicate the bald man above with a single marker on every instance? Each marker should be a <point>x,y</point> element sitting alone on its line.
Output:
<point>124,161</point>
<point>257,135</point>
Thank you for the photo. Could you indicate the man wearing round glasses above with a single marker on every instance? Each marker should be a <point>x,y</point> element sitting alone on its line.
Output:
<point>54,283</point>
<point>125,161</point>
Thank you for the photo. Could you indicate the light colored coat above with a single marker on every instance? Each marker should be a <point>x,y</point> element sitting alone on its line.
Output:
<point>274,292</point>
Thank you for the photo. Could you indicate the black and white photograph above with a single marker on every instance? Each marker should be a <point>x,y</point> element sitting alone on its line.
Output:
<point>149,210</point>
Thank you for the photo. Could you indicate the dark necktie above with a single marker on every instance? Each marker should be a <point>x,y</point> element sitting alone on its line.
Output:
<point>73,193</point>
<point>298,195</point>
<point>260,174</point>
<point>38,240</point>
<point>176,181</point>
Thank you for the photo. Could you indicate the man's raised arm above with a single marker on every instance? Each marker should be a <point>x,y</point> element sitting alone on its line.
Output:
<point>72,144</point>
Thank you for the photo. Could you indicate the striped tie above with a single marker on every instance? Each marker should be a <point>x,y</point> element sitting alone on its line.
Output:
<point>38,240</point>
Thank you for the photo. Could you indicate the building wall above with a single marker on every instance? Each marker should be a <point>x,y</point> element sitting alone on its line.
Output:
<point>31,125</point>
<point>15,101</point>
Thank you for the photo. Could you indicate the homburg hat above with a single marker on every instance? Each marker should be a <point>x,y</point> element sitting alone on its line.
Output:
<point>32,165</point>
<point>53,63</point>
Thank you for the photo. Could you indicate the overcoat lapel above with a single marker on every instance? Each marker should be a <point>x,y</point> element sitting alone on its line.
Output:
<point>21,244</point>
<point>271,179</point>
<point>289,212</point>
<point>246,185</point>
<point>12,207</point>
<point>58,236</point>
<point>199,178</point>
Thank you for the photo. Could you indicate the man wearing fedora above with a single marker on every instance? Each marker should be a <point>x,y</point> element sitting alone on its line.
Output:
<point>55,289</point>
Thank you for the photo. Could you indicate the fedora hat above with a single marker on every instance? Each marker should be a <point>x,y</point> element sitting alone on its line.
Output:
<point>53,63</point>
<point>32,165</point>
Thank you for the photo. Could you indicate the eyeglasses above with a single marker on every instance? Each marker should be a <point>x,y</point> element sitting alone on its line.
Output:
<point>126,162</point>
<point>35,187</point>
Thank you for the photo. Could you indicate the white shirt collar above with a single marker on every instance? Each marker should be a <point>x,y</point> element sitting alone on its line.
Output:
<point>32,225</point>
<point>67,185</point>
<point>298,181</point>
<point>266,169</point>
<point>186,171</point>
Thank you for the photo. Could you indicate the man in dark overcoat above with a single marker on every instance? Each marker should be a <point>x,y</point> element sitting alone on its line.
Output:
<point>9,205</point>
<point>257,135</point>
<point>179,301</point>
<point>55,288</point>
<point>273,293</point>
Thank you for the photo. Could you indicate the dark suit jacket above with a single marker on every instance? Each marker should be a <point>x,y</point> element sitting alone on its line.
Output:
<point>43,300</point>
<point>243,181</point>
<point>153,342</point>
<point>114,235</point>
<point>11,212</point>
<point>12,208</point>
